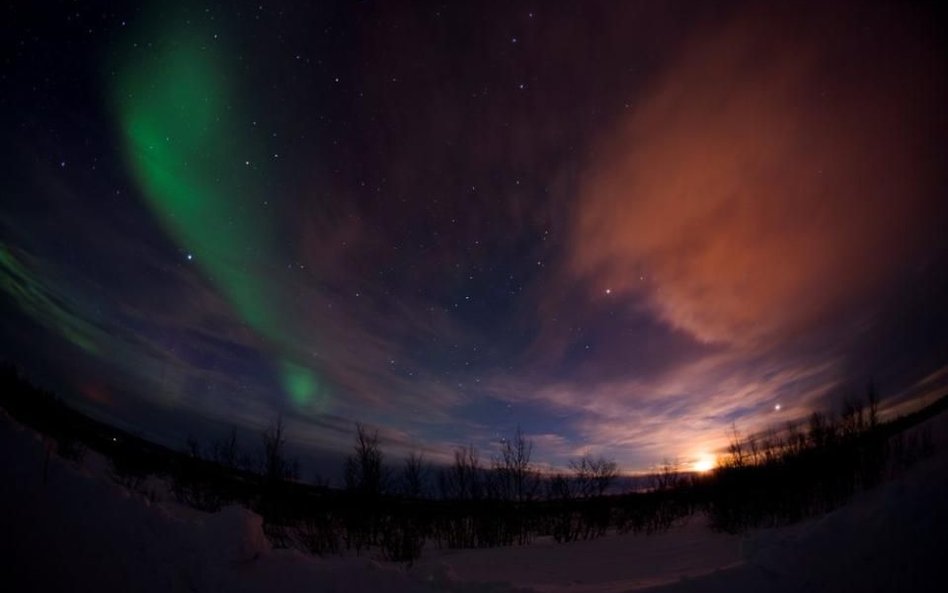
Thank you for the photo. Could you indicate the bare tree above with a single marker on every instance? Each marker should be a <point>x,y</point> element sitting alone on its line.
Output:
<point>414,476</point>
<point>594,475</point>
<point>737,457</point>
<point>364,471</point>
<point>754,452</point>
<point>667,474</point>
<point>462,480</point>
<point>275,466</point>
<point>819,430</point>
<point>563,487</point>
<point>796,440</point>
<point>771,446</point>
<point>517,478</point>
<point>852,419</point>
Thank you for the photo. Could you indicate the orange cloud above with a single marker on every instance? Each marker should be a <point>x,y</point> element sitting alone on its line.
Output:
<point>763,182</point>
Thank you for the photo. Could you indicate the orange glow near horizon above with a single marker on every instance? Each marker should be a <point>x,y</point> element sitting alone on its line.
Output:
<point>704,463</point>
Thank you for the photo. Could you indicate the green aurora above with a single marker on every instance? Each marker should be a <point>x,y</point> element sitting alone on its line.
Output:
<point>200,174</point>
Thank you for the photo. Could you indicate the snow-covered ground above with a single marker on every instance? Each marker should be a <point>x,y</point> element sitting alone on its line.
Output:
<point>81,532</point>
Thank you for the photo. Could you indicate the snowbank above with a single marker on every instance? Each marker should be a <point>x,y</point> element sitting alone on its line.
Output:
<point>81,532</point>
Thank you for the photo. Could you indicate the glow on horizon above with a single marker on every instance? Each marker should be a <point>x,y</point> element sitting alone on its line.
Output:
<point>704,463</point>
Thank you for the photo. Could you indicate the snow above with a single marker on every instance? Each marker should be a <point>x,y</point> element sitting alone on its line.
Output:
<point>609,564</point>
<point>82,532</point>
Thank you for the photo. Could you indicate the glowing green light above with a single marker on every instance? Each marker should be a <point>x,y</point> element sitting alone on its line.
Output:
<point>187,147</point>
<point>184,149</point>
<point>300,383</point>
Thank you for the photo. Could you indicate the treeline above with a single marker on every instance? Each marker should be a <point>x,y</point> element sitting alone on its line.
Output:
<point>470,503</point>
<point>811,467</point>
<point>395,510</point>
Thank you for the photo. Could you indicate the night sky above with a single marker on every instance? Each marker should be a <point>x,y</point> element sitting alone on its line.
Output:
<point>625,227</point>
